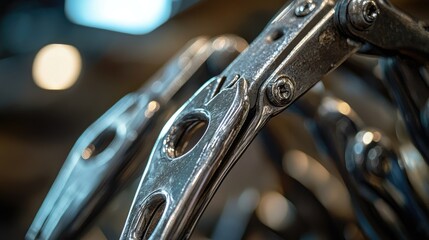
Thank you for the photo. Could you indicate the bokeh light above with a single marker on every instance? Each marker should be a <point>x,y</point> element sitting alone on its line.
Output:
<point>57,67</point>
<point>275,211</point>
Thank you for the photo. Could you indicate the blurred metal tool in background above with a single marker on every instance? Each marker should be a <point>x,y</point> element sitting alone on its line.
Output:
<point>385,202</point>
<point>408,82</point>
<point>305,41</point>
<point>113,150</point>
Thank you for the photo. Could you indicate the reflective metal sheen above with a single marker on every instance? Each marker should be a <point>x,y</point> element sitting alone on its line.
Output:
<point>113,150</point>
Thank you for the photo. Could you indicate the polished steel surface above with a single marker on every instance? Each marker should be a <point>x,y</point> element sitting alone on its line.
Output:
<point>104,159</point>
<point>282,58</point>
<point>198,173</point>
<point>219,114</point>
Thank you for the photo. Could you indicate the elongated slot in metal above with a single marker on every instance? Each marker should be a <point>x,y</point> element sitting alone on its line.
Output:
<point>185,135</point>
<point>100,143</point>
<point>148,218</point>
<point>274,35</point>
<point>219,86</point>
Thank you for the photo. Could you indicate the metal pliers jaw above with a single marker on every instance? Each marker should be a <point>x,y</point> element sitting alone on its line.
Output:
<point>113,150</point>
<point>305,41</point>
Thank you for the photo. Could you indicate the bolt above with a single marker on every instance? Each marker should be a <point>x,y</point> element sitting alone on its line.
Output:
<point>305,8</point>
<point>362,13</point>
<point>280,91</point>
<point>370,12</point>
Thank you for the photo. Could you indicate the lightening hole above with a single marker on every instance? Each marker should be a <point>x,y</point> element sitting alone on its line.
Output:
<point>185,135</point>
<point>100,143</point>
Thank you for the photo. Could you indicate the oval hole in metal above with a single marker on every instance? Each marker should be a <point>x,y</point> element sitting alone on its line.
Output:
<point>100,143</point>
<point>274,35</point>
<point>148,217</point>
<point>186,134</point>
<point>132,108</point>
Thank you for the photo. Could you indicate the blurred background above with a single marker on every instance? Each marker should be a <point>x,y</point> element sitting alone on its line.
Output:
<point>64,63</point>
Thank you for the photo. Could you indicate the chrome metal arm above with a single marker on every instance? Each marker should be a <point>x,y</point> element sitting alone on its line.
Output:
<point>204,138</point>
<point>295,50</point>
<point>113,150</point>
<point>301,44</point>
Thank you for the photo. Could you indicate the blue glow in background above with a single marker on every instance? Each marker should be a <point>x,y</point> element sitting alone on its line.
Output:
<point>127,16</point>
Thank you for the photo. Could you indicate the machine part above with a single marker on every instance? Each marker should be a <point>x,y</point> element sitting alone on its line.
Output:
<point>305,8</point>
<point>203,140</point>
<point>364,20</point>
<point>280,92</point>
<point>380,179</point>
<point>362,13</point>
<point>110,153</point>
<point>235,109</point>
<point>287,47</point>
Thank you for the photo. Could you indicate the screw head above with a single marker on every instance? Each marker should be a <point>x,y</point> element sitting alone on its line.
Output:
<point>280,92</point>
<point>370,11</point>
<point>362,13</point>
<point>305,8</point>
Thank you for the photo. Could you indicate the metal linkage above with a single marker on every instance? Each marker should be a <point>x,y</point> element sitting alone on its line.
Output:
<point>366,20</point>
<point>201,142</point>
<point>113,150</point>
<point>306,40</point>
<point>298,47</point>
<point>386,29</point>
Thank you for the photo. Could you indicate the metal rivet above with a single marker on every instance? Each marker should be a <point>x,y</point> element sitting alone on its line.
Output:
<point>362,13</point>
<point>305,8</point>
<point>280,92</point>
